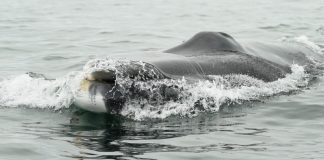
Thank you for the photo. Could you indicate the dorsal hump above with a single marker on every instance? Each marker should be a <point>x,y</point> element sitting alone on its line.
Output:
<point>207,42</point>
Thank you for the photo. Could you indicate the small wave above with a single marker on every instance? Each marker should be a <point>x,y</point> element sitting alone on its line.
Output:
<point>309,44</point>
<point>106,32</point>
<point>305,41</point>
<point>320,30</point>
<point>54,58</point>
<point>125,42</point>
<point>154,35</point>
<point>275,27</point>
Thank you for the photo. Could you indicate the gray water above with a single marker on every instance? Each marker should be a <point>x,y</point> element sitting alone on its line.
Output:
<point>56,38</point>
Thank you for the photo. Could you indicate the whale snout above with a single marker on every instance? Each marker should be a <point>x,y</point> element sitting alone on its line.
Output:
<point>100,96</point>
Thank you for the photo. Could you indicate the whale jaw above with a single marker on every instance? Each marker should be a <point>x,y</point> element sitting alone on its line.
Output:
<point>99,96</point>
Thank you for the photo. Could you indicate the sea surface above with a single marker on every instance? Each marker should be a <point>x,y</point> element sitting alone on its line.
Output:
<point>45,44</point>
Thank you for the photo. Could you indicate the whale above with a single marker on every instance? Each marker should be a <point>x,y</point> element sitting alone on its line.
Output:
<point>205,54</point>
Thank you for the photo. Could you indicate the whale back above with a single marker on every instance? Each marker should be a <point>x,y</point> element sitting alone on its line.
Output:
<point>207,43</point>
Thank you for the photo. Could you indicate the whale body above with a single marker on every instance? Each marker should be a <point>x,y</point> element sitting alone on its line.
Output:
<point>205,54</point>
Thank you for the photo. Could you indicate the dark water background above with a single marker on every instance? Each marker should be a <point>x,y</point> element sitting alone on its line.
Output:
<point>56,38</point>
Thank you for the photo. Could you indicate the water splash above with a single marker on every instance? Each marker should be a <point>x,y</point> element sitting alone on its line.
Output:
<point>35,91</point>
<point>209,95</point>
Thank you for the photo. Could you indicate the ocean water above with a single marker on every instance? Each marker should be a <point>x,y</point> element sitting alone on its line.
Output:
<point>45,45</point>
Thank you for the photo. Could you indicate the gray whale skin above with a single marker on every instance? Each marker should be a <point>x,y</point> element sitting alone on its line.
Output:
<point>206,53</point>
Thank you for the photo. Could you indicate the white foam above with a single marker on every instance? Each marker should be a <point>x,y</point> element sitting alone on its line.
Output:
<point>38,92</point>
<point>212,94</point>
<point>104,65</point>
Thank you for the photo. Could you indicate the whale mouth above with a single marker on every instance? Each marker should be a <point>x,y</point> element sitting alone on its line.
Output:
<point>107,76</point>
<point>100,95</point>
